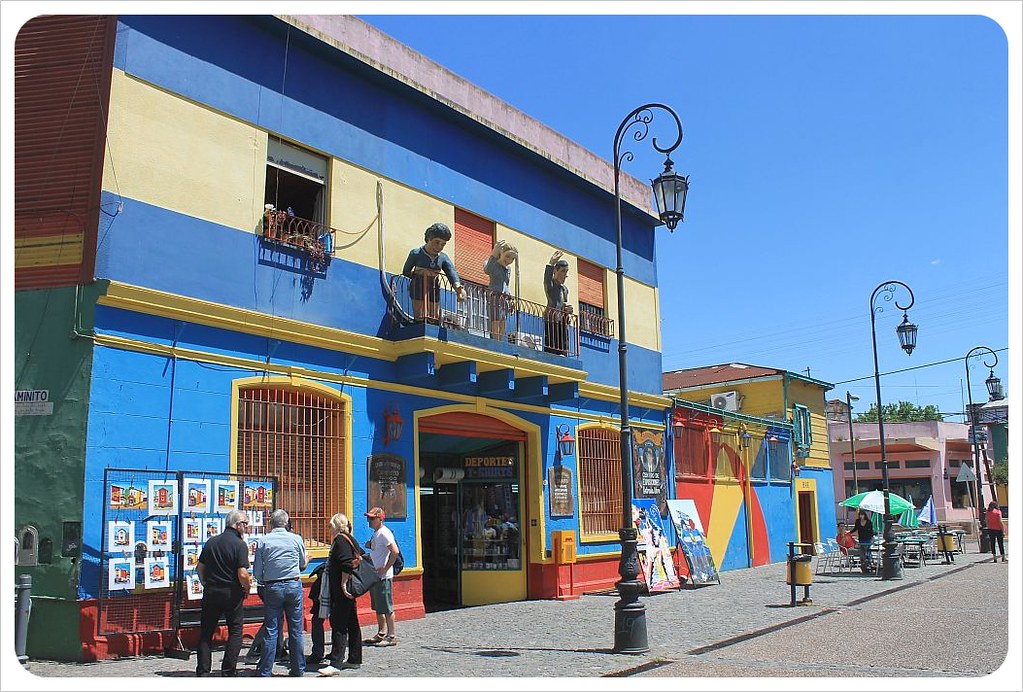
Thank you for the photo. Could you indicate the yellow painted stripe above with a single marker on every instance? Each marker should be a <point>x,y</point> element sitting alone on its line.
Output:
<point>176,307</point>
<point>726,503</point>
<point>50,250</point>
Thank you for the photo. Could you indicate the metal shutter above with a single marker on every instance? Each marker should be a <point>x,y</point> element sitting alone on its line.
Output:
<point>591,283</point>
<point>62,71</point>
<point>474,242</point>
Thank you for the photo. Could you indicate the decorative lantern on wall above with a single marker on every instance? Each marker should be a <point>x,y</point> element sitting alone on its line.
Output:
<point>394,424</point>
<point>566,443</point>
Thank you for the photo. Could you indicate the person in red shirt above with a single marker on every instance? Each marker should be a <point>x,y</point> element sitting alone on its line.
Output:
<point>995,530</point>
<point>844,538</point>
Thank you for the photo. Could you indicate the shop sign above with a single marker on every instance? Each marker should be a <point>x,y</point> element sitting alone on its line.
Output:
<point>648,472</point>
<point>33,402</point>
<point>387,484</point>
<point>561,489</point>
<point>489,467</point>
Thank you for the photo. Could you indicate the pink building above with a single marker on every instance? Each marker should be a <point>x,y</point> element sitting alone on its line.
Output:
<point>923,461</point>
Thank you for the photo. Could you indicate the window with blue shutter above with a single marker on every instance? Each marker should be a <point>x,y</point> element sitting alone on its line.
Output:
<point>802,434</point>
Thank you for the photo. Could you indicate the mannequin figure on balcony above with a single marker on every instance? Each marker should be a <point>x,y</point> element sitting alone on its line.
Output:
<point>424,266</point>
<point>558,309</point>
<point>498,268</point>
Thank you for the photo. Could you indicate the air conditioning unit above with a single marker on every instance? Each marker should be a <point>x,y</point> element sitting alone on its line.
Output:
<point>726,401</point>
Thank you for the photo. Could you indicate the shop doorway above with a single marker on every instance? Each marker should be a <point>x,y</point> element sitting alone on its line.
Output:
<point>807,522</point>
<point>471,508</point>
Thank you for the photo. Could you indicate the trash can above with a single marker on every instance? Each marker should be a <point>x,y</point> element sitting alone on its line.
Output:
<point>798,567</point>
<point>946,543</point>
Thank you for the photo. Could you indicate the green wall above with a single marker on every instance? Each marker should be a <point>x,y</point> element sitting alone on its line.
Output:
<point>49,453</point>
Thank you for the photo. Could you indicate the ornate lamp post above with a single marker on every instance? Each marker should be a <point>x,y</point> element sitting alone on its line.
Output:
<point>849,398</point>
<point>994,386</point>
<point>669,190</point>
<point>891,566</point>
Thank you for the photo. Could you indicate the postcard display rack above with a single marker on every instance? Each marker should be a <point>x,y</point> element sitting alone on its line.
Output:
<point>155,524</point>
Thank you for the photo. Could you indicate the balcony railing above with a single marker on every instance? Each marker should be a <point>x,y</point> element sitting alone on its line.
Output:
<point>593,323</point>
<point>428,297</point>
<point>313,238</point>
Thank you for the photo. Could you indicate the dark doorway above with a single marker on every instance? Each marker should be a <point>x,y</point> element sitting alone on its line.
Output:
<point>807,525</point>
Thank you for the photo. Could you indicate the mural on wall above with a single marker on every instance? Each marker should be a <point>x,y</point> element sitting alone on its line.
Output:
<point>656,565</point>
<point>649,477</point>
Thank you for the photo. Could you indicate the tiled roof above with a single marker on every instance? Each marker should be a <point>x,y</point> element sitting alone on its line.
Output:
<point>714,374</point>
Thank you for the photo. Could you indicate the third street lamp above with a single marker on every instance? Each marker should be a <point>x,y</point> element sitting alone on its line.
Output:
<point>994,386</point>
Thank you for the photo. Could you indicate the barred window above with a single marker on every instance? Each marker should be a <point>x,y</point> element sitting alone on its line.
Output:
<point>600,481</point>
<point>692,452</point>
<point>298,436</point>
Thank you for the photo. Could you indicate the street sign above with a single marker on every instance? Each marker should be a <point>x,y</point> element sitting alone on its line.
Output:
<point>966,474</point>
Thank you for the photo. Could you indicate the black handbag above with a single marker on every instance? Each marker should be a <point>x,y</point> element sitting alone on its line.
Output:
<point>364,574</point>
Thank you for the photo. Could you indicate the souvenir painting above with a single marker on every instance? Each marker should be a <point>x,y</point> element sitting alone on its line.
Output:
<point>252,541</point>
<point>192,528</point>
<point>158,535</point>
<point>225,496</point>
<point>163,497</point>
<point>257,495</point>
<point>210,527</point>
<point>193,587</point>
<point>255,519</point>
<point>197,495</point>
<point>190,556</point>
<point>127,496</point>
<point>157,572</point>
<point>656,564</point>
<point>121,574</point>
<point>120,536</point>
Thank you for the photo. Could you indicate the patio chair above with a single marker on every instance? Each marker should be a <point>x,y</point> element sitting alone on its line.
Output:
<point>839,560</point>
<point>824,558</point>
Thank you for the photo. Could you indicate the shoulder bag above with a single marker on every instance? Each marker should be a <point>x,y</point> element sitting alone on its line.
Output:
<point>364,574</point>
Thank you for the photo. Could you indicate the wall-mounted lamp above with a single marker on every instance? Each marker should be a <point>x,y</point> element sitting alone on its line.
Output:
<point>394,424</point>
<point>772,438</point>
<point>566,443</point>
<point>744,439</point>
<point>795,469</point>
<point>714,429</point>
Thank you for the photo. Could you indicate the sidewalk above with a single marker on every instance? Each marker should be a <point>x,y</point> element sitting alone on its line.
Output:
<point>742,627</point>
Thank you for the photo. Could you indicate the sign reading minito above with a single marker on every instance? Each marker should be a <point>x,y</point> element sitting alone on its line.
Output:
<point>33,402</point>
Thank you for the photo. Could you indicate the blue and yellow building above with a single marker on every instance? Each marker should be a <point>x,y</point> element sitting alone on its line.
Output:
<point>212,218</point>
<point>750,449</point>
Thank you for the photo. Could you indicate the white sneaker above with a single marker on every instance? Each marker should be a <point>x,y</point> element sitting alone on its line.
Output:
<point>328,671</point>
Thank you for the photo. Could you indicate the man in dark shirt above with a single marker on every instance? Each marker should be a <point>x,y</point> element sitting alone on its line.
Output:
<point>224,572</point>
<point>557,312</point>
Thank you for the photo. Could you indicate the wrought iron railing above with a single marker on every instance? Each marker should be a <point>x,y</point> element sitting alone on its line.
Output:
<point>428,297</point>
<point>597,324</point>
<point>315,239</point>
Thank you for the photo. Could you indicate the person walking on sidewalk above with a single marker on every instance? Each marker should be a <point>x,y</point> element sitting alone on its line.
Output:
<point>280,559</point>
<point>344,620</point>
<point>995,530</point>
<point>383,551</point>
<point>223,569</point>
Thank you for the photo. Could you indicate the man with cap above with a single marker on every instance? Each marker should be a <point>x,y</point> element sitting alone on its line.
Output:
<point>383,551</point>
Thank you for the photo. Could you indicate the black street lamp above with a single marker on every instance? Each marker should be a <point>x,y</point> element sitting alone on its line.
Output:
<point>669,190</point>
<point>849,398</point>
<point>891,565</point>
<point>994,386</point>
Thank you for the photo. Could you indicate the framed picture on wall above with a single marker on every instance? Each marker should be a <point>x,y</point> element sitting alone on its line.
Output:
<point>387,485</point>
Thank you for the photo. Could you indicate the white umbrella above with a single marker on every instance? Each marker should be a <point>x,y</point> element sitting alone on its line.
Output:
<point>927,514</point>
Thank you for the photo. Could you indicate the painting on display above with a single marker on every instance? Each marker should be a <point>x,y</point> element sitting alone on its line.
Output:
<point>163,497</point>
<point>693,542</point>
<point>210,527</point>
<point>251,542</point>
<point>157,572</point>
<point>193,587</point>
<point>127,496</point>
<point>121,574</point>
<point>158,535</point>
<point>225,496</point>
<point>190,556</point>
<point>654,550</point>
<point>256,519</point>
<point>257,495</point>
<point>649,477</point>
<point>387,484</point>
<point>197,495</point>
<point>120,536</point>
<point>191,527</point>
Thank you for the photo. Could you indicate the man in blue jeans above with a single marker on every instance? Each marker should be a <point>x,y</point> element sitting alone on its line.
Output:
<point>278,564</point>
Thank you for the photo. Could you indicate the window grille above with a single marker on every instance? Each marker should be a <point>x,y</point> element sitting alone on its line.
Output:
<point>600,480</point>
<point>299,437</point>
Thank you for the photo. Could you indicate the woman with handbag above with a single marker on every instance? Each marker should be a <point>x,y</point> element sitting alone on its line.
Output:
<point>345,556</point>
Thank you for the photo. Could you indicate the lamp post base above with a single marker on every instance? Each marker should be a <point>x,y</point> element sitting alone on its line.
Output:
<point>891,563</point>
<point>630,614</point>
<point>984,541</point>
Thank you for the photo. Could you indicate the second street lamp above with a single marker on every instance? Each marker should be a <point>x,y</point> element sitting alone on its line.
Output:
<point>849,398</point>
<point>994,385</point>
<point>670,191</point>
<point>891,565</point>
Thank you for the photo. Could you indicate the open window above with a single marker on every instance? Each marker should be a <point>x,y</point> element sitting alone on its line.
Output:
<point>295,199</point>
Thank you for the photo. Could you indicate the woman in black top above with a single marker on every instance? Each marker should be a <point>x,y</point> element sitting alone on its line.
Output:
<point>344,620</point>
<point>865,537</point>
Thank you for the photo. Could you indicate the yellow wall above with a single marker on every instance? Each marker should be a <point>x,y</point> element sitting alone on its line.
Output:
<point>812,397</point>
<point>205,164</point>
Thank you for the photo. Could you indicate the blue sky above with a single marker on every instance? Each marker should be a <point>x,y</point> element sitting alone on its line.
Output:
<point>827,154</point>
